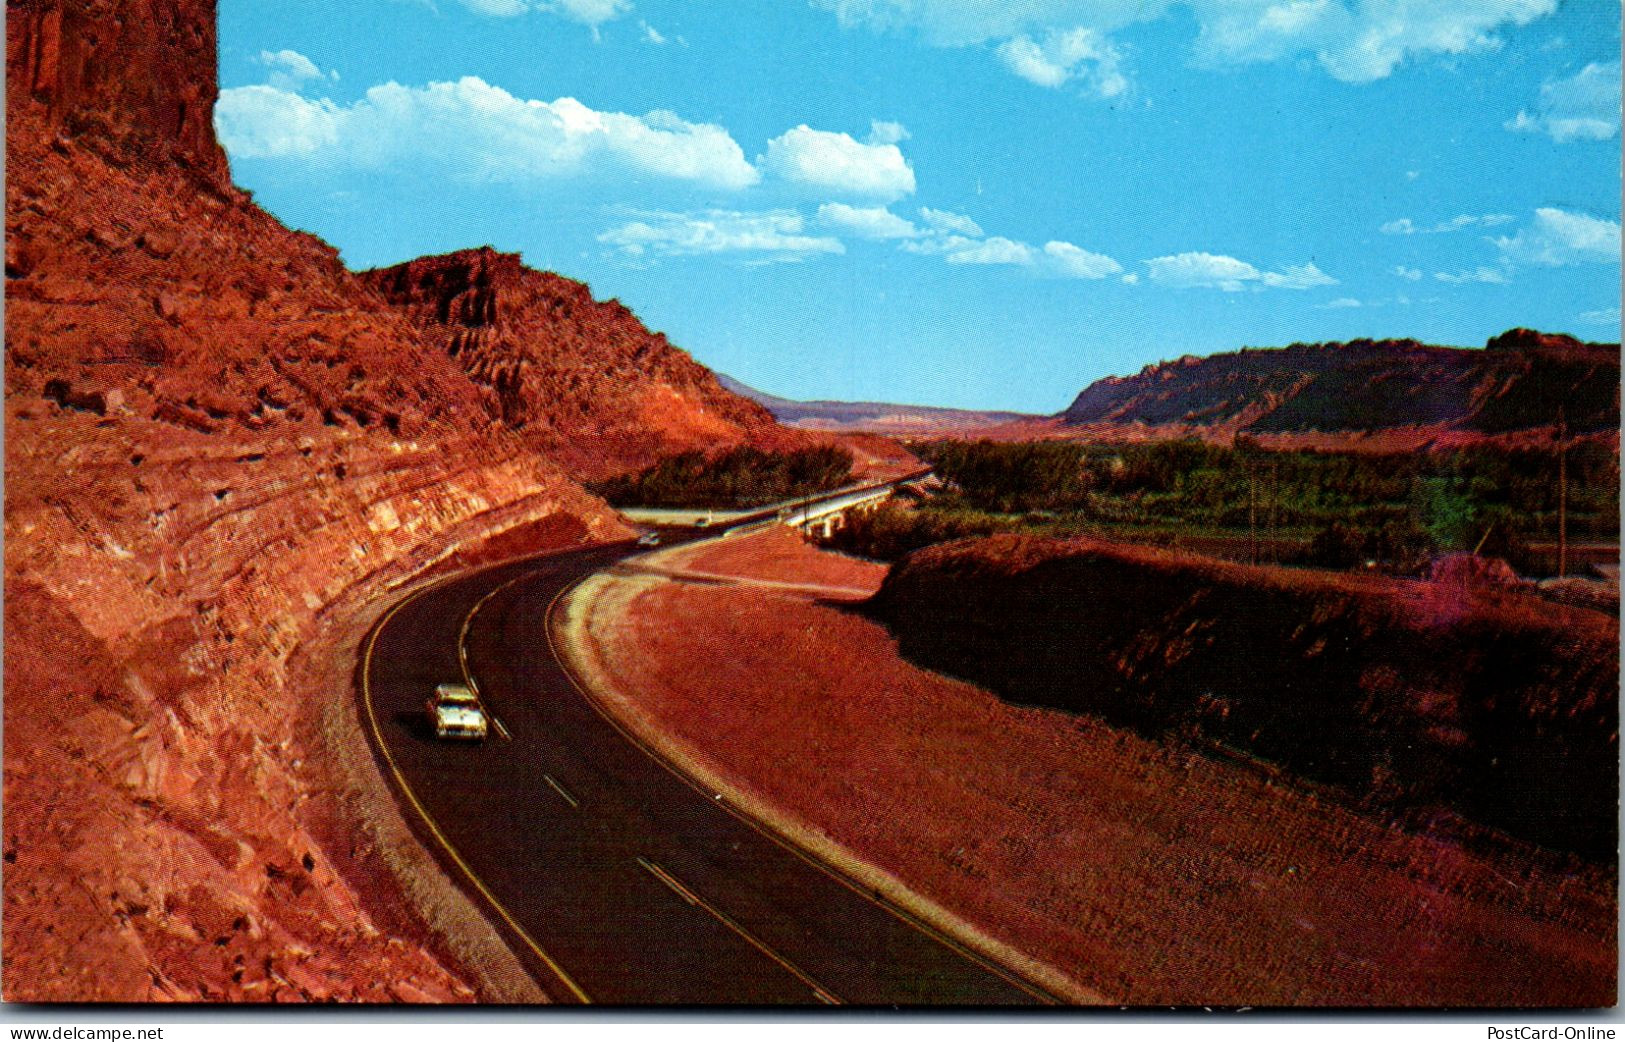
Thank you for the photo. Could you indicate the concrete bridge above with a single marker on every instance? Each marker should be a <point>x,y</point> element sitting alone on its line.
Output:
<point>819,515</point>
<point>820,518</point>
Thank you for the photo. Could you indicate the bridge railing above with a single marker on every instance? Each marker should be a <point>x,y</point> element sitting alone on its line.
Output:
<point>811,508</point>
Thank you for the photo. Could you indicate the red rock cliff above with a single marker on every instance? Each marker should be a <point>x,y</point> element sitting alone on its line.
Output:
<point>224,454</point>
<point>139,75</point>
<point>541,346</point>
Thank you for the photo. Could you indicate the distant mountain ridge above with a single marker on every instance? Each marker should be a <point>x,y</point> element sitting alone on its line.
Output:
<point>1520,380</point>
<point>874,417</point>
<point>1386,394</point>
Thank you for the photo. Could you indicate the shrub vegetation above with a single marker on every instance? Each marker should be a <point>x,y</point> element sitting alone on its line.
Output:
<point>740,477</point>
<point>1330,509</point>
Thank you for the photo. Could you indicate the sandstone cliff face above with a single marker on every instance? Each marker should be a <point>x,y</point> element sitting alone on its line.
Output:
<point>1516,383</point>
<point>542,348</point>
<point>138,77</point>
<point>222,451</point>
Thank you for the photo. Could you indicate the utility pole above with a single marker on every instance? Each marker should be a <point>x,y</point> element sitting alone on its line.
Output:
<point>1274,506</point>
<point>1252,512</point>
<point>1562,494</point>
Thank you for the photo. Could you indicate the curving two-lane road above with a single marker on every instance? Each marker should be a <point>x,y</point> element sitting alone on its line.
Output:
<point>616,880</point>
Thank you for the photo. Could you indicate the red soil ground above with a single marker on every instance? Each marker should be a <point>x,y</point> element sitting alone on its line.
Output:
<point>1144,873</point>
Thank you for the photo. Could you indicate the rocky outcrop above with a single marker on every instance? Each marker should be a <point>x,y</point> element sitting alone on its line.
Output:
<point>1521,338</point>
<point>1520,381</point>
<point>584,377</point>
<point>220,453</point>
<point>136,78</point>
<point>224,454</point>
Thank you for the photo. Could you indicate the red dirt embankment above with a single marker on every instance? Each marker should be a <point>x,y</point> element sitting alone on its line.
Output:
<point>1135,870</point>
<point>1498,705</point>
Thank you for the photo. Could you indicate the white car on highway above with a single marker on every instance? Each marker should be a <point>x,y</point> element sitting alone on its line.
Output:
<point>455,712</point>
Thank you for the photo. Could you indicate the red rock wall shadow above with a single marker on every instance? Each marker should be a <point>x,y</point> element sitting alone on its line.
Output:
<point>1407,696</point>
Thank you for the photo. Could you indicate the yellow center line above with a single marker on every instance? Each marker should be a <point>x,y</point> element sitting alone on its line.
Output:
<point>428,819</point>
<point>812,859</point>
<point>462,658</point>
<point>688,895</point>
<point>561,790</point>
<point>676,886</point>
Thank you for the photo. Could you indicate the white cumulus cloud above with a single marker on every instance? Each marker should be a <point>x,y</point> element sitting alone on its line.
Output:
<point>1405,226</point>
<point>1203,270</point>
<point>1302,276</point>
<point>773,235</point>
<point>1559,237</point>
<point>1356,41</point>
<point>588,12</point>
<point>265,122</point>
<point>867,222</point>
<point>1410,274</point>
<point>944,221</point>
<point>935,245</point>
<point>1199,270</point>
<point>478,131</point>
<point>1062,56</point>
<point>995,250</point>
<point>290,70</point>
<point>1601,317</point>
<point>1056,259</point>
<point>886,132</point>
<point>1584,107</point>
<point>1069,261</point>
<point>1482,273</point>
<point>839,164</point>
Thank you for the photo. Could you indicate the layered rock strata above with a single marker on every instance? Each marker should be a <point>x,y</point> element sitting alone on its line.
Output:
<point>223,453</point>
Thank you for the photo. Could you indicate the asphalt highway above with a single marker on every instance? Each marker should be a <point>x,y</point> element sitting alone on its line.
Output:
<point>615,879</point>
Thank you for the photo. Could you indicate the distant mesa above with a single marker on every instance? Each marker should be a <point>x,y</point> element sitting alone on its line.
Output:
<point>1371,394</point>
<point>1522,339</point>
<point>1522,380</point>
<point>876,417</point>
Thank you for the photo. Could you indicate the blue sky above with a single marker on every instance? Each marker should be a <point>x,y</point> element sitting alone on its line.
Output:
<point>963,203</point>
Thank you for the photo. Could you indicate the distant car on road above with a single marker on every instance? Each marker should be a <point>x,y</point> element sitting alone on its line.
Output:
<point>649,539</point>
<point>455,712</point>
